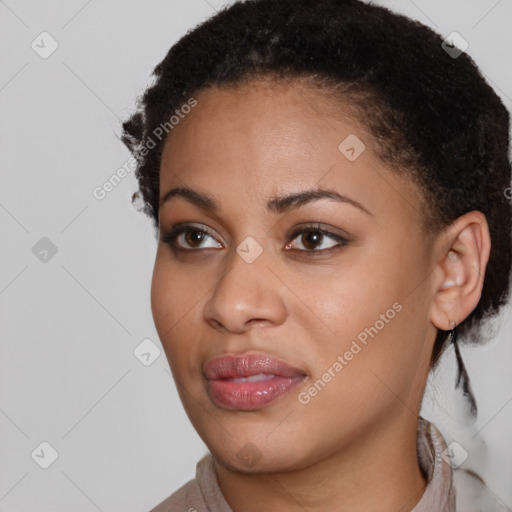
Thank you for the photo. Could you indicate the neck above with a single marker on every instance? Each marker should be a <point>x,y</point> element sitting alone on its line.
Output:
<point>379,471</point>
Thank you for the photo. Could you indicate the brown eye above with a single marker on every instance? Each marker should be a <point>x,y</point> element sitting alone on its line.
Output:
<point>193,237</point>
<point>313,239</point>
<point>186,237</point>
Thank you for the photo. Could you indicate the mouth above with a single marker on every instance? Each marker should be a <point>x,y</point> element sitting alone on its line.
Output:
<point>249,381</point>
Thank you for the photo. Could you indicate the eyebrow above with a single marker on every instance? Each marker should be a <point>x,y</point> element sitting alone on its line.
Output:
<point>274,205</point>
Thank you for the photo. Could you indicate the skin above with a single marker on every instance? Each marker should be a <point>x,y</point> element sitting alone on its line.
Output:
<point>353,446</point>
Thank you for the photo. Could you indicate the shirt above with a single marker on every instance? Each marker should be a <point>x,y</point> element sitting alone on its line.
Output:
<point>203,494</point>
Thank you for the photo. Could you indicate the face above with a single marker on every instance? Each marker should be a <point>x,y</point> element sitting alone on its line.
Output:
<point>335,286</point>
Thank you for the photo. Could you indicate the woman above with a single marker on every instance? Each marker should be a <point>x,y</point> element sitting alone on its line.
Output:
<point>328,180</point>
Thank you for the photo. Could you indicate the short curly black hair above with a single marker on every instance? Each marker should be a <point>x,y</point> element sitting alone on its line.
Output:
<point>432,115</point>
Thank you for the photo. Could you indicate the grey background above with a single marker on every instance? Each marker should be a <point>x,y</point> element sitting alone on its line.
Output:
<point>70,324</point>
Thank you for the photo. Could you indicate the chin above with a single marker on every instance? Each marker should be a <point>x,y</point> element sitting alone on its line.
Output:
<point>258,457</point>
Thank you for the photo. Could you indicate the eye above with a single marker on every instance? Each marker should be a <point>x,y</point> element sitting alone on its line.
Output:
<point>313,238</point>
<point>189,236</point>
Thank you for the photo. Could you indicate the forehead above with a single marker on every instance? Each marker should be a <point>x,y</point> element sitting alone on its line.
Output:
<point>261,139</point>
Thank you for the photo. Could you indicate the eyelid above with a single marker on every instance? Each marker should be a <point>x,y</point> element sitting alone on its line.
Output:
<point>335,233</point>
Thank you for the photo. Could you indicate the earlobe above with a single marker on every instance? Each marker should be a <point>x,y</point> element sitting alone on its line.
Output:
<point>461,258</point>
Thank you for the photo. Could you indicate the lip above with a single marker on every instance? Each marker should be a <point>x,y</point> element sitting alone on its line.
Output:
<point>276,378</point>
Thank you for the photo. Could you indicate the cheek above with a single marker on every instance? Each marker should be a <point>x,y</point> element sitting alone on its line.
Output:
<point>175,300</point>
<point>163,298</point>
<point>174,293</point>
<point>365,314</point>
<point>361,374</point>
<point>345,300</point>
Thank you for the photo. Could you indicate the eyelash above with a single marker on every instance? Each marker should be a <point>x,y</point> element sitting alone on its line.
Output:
<point>170,237</point>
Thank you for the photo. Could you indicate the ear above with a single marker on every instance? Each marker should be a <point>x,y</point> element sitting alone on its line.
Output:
<point>461,253</point>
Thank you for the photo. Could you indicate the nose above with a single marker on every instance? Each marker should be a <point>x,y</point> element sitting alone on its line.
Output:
<point>246,295</point>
